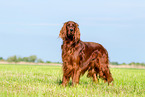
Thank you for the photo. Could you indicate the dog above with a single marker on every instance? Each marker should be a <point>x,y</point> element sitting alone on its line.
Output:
<point>79,57</point>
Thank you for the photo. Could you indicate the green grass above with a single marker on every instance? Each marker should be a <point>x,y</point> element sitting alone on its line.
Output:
<point>44,81</point>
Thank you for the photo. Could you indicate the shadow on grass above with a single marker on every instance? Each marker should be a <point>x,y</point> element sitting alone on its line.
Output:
<point>82,82</point>
<point>59,82</point>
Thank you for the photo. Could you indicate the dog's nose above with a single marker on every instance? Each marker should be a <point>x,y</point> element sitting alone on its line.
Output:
<point>71,29</point>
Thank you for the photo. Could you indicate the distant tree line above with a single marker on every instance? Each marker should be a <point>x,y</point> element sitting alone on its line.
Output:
<point>32,58</point>
<point>1,58</point>
<point>132,63</point>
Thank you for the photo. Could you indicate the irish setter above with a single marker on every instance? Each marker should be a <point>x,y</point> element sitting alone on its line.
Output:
<point>79,57</point>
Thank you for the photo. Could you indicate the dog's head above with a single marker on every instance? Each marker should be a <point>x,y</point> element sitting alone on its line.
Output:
<point>70,31</point>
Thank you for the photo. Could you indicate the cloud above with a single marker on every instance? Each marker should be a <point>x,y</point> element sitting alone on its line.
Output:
<point>30,24</point>
<point>44,24</point>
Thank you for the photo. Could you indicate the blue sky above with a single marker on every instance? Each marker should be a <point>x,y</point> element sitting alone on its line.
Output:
<point>31,27</point>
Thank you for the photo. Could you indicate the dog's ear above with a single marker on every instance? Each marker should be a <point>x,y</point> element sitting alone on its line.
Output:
<point>62,33</point>
<point>77,32</point>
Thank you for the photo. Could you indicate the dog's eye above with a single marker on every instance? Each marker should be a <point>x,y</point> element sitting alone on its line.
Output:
<point>73,25</point>
<point>68,24</point>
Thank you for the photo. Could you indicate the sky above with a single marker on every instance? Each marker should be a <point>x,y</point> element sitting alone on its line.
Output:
<point>31,27</point>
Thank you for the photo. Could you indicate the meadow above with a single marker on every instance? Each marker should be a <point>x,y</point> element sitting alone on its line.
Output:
<point>45,81</point>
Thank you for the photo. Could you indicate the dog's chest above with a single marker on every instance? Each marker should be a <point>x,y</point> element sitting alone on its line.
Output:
<point>71,54</point>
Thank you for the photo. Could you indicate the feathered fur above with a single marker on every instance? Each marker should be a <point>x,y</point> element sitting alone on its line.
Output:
<point>79,57</point>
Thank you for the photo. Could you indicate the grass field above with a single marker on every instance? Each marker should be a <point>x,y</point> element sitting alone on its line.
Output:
<point>39,81</point>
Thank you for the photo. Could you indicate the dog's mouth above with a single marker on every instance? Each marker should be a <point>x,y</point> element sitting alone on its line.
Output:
<point>70,36</point>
